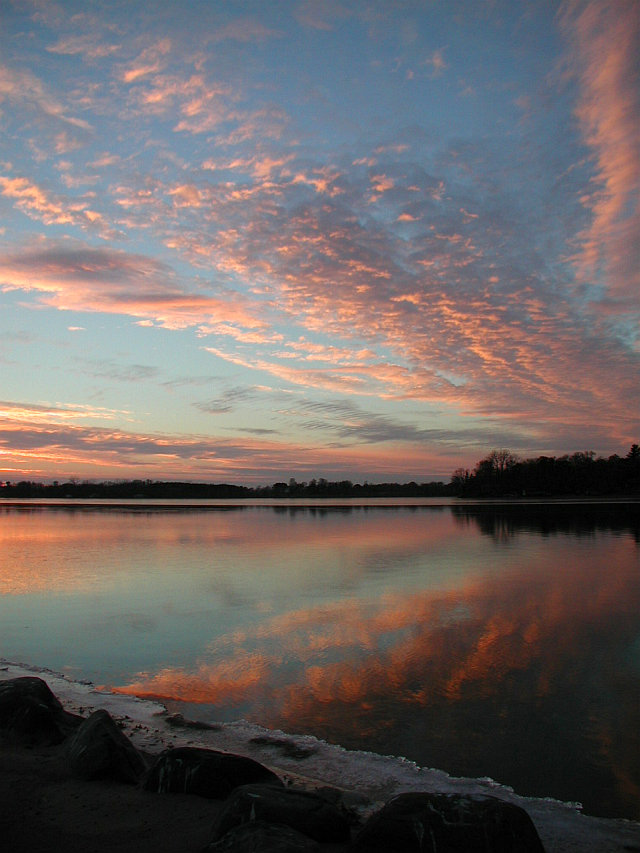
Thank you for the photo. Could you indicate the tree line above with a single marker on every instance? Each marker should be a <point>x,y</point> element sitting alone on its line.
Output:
<point>502,474</point>
<point>152,489</point>
<point>499,474</point>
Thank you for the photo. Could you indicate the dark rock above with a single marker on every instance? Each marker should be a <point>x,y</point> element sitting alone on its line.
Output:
<point>289,748</point>
<point>31,713</point>
<point>449,822</point>
<point>100,750</point>
<point>179,721</point>
<point>301,810</point>
<point>265,837</point>
<point>206,772</point>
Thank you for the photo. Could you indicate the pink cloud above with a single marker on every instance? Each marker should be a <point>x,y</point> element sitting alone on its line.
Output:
<point>80,278</point>
<point>44,441</point>
<point>87,45</point>
<point>21,86</point>
<point>39,204</point>
<point>603,43</point>
<point>513,356</point>
<point>186,195</point>
<point>150,61</point>
<point>437,304</point>
<point>323,16</point>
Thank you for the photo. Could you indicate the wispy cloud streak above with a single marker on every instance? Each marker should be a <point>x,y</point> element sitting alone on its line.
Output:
<point>604,40</point>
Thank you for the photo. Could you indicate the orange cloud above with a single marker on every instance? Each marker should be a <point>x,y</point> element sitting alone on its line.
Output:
<point>52,414</point>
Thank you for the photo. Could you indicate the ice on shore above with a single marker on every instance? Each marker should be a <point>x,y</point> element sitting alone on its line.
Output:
<point>307,760</point>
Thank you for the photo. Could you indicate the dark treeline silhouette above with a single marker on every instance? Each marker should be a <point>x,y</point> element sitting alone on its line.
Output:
<point>502,474</point>
<point>151,489</point>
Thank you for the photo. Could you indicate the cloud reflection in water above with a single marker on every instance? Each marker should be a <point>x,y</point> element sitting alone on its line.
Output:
<point>516,674</point>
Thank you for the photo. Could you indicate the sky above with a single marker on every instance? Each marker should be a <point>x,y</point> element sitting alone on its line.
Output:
<point>354,239</point>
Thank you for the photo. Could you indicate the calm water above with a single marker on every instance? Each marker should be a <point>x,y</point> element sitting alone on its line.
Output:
<point>486,641</point>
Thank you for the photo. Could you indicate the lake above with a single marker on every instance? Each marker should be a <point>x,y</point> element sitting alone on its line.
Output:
<point>496,641</point>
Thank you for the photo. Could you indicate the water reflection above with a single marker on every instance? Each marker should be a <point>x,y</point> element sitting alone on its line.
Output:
<point>527,676</point>
<point>581,519</point>
<point>483,640</point>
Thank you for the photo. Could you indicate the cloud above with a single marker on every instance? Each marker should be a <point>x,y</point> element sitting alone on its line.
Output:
<point>261,166</point>
<point>34,413</point>
<point>603,43</point>
<point>23,86</point>
<point>51,209</point>
<point>437,62</point>
<point>38,440</point>
<point>268,122</point>
<point>110,369</point>
<point>323,16</point>
<point>150,61</point>
<point>431,291</point>
<point>186,195</point>
<point>480,328</point>
<point>194,102</point>
<point>87,45</point>
<point>347,420</point>
<point>227,402</point>
<point>243,30</point>
<point>81,278</point>
<point>412,265</point>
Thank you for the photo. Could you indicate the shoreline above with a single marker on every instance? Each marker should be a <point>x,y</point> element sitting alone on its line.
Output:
<point>327,503</point>
<point>305,761</point>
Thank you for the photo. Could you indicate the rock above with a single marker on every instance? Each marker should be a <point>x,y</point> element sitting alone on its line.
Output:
<point>350,803</point>
<point>449,822</point>
<point>100,750</point>
<point>206,772</point>
<point>265,837</point>
<point>31,713</point>
<point>179,721</point>
<point>301,810</point>
<point>286,746</point>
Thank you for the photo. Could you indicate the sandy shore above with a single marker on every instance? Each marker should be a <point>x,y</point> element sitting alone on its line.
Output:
<point>43,808</point>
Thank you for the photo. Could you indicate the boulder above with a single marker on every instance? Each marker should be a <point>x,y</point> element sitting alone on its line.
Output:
<point>265,837</point>
<point>205,772</point>
<point>30,713</point>
<point>100,750</point>
<point>303,811</point>
<point>414,822</point>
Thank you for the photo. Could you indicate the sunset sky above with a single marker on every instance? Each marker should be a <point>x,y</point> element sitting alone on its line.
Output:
<point>244,241</point>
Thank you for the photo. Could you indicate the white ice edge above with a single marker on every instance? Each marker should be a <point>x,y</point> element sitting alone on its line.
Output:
<point>373,777</point>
